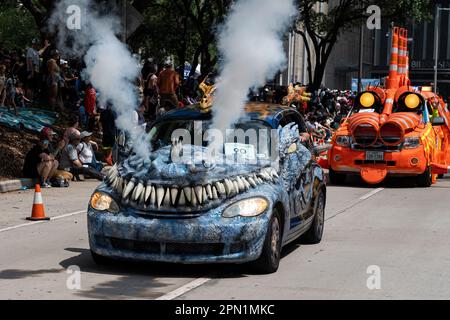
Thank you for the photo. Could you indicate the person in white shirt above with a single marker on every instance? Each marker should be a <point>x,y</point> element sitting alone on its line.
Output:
<point>86,151</point>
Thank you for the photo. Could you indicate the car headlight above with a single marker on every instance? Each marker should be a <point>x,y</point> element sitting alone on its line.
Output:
<point>246,208</point>
<point>411,143</point>
<point>103,202</point>
<point>343,141</point>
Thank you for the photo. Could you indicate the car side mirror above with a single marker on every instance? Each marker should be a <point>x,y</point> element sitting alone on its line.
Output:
<point>439,121</point>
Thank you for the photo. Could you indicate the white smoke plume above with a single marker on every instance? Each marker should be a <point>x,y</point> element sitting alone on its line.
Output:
<point>252,50</point>
<point>110,66</point>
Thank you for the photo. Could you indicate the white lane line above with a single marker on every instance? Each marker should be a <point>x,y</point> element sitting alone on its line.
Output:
<point>37,222</point>
<point>371,194</point>
<point>184,289</point>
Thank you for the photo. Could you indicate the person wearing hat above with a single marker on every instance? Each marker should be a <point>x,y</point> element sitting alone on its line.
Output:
<point>40,163</point>
<point>55,146</point>
<point>70,160</point>
<point>86,151</point>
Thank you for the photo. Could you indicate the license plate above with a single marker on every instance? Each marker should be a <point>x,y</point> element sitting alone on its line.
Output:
<point>374,156</point>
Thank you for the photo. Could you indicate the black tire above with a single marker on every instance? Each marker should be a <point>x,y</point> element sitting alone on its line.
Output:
<point>337,178</point>
<point>269,260</point>
<point>101,260</point>
<point>315,232</point>
<point>425,179</point>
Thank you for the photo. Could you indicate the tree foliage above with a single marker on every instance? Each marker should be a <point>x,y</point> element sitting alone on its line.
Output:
<point>17,27</point>
<point>322,30</point>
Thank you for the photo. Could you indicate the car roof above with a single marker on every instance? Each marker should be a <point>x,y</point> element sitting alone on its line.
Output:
<point>267,112</point>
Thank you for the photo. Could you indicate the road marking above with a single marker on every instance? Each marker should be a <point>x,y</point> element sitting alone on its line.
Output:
<point>371,194</point>
<point>37,222</point>
<point>356,202</point>
<point>184,289</point>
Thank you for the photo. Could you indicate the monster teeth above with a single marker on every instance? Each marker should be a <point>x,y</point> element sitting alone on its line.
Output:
<point>182,199</point>
<point>138,190</point>
<point>142,198</point>
<point>199,193</point>
<point>214,192</point>
<point>229,187</point>
<point>252,182</point>
<point>188,194</point>
<point>240,184</point>
<point>159,196</point>
<point>148,191</point>
<point>205,195</point>
<point>166,201</point>
<point>209,191</point>
<point>220,188</point>
<point>120,185</point>
<point>193,197</point>
<point>174,195</point>
<point>153,197</point>
<point>236,186</point>
<point>246,184</point>
<point>128,188</point>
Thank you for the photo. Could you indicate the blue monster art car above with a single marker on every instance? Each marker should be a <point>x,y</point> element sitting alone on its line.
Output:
<point>161,210</point>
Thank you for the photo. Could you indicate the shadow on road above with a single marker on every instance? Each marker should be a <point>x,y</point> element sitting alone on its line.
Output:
<point>12,274</point>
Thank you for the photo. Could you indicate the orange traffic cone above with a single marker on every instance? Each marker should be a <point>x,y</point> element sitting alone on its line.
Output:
<point>38,213</point>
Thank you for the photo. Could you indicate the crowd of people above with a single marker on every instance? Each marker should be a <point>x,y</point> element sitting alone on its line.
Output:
<point>38,76</point>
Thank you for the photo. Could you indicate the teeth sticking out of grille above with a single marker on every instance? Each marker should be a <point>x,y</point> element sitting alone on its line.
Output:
<point>391,134</point>
<point>151,196</point>
<point>365,135</point>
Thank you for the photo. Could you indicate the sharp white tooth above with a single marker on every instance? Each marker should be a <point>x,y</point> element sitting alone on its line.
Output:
<point>139,189</point>
<point>214,192</point>
<point>174,195</point>
<point>236,186</point>
<point>166,201</point>
<point>153,197</point>
<point>241,185</point>
<point>133,194</point>
<point>275,174</point>
<point>142,198</point>
<point>205,195</point>
<point>209,191</point>
<point>120,185</point>
<point>182,199</point>
<point>199,194</point>
<point>115,185</point>
<point>246,184</point>
<point>252,182</point>
<point>129,188</point>
<point>188,194</point>
<point>220,188</point>
<point>113,182</point>
<point>193,198</point>
<point>259,180</point>
<point>229,187</point>
<point>159,196</point>
<point>148,191</point>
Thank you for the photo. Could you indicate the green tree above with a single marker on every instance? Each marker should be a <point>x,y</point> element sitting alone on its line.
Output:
<point>321,31</point>
<point>17,27</point>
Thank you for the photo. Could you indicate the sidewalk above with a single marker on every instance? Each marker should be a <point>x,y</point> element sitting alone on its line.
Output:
<point>17,184</point>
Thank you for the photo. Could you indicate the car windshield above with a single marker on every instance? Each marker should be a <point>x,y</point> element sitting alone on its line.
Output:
<point>249,138</point>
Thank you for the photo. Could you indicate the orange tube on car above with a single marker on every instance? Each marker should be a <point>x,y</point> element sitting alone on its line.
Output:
<point>364,128</point>
<point>392,132</point>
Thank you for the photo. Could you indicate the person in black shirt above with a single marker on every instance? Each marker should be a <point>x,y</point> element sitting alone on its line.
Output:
<point>40,164</point>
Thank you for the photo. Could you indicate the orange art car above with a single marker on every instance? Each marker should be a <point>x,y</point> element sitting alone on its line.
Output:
<point>398,130</point>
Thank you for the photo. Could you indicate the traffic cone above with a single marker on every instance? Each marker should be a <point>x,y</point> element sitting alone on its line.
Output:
<point>37,213</point>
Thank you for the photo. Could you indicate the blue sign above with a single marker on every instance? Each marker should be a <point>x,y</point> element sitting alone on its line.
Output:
<point>365,83</point>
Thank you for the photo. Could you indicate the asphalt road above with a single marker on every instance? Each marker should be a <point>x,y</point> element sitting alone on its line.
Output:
<point>402,233</point>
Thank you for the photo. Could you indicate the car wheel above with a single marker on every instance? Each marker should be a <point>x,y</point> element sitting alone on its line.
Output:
<point>425,180</point>
<point>315,232</point>
<point>101,260</point>
<point>336,178</point>
<point>269,260</point>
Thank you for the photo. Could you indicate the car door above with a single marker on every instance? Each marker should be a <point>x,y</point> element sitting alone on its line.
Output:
<point>300,193</point>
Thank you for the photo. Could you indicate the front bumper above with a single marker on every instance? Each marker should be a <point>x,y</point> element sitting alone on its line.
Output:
<point>208,238</point>
<point>396,163</point>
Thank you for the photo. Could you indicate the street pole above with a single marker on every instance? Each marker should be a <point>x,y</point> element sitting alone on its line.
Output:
<point>437,24</point>
<point>436,47</point>
<point>361,53</point>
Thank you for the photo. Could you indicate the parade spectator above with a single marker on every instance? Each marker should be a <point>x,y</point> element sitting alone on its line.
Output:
<point>55,146</point>
<point>40,163</point>
<point>10,89</point>
<point>2,85</point>
<point>33,67</point>
<point>90,101</point>
<point>86,151</point>
<point>74,125</point>
<point>151,100</point>
<point>107,120</point>
<point>71,162</point>
<point>55,82</point>
<point>168,82</point>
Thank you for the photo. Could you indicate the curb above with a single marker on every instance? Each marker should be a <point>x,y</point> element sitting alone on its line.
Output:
<point>15,185</point>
